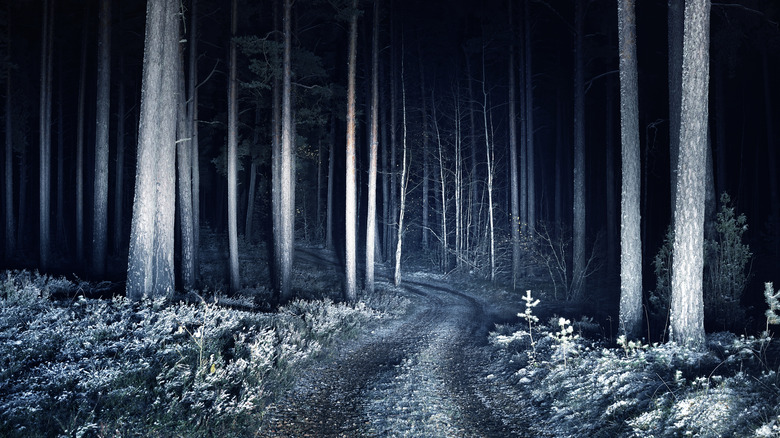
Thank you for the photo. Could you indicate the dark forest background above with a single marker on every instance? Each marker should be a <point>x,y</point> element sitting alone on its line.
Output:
<point>445,46</point>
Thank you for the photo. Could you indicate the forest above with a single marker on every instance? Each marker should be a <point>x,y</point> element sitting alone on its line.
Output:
<point>389,218</point>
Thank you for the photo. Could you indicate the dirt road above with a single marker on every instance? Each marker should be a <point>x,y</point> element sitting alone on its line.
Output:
<point>423,375</point>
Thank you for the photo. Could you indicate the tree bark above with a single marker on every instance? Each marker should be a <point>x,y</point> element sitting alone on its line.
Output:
<point>100,200</point>
<point>61,234</point>
<point>578,244</point>
<point>426,166</point>
<point>184,170</point>
<point>192,112</point>
<point>9,155</point>
<point>514,182</point>
<point>489,176</point>
<point>232,156</point>
<point>47,42</point>
<point>331,163</point>
<point>80,255</point>
<point>612,266</point>
<point>675,41</point>
<point>774,191</point>
<point>386,218</point>
<point>687,316</point>
<point>404,179</point>
<point>351,201</point>
<point>444,264</point>
<point>119,174</point>
<point>529,123</point>
<point>393,235</point>
<point>150,261</point>
<point>286,165</point>
<point>250,204</point>
<point>373,155</point>
<point>630,240</point>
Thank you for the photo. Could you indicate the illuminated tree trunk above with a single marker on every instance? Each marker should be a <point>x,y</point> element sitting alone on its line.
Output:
<point>687,316</point>
<point>442,190</point>
<point>404,179</point>
<point>351,201</point>
<point>232,158</point>
<point>489,176</point>
<point>150,262</point>
<point>184,171</point>
<point>514,180</point>
<point>630,233</point>
<point>426,167</point>
<point>286,165</point>
<point>373,153</point>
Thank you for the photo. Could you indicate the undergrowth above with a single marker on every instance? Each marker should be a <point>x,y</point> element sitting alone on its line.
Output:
<point>572,386</point>
<point>87,367</point>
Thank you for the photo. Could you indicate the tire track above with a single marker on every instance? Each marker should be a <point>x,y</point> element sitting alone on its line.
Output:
<point>420,376</point>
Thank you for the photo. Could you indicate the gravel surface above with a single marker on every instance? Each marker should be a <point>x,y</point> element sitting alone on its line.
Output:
<point>426,374</point>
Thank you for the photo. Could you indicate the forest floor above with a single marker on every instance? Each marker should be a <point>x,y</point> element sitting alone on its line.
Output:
<point>439,356</point>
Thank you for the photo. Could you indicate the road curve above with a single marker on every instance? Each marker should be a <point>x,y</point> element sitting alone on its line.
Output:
<point>422,375</point>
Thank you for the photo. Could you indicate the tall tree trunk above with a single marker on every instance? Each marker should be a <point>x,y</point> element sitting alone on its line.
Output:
<point>192,112</point>
<point>119,174</point>
<point>720,128</point>
<point>426,166</point>
<point>61,236</point>
<point>9,154</point>
<point>489,176</point>
<point>373,155</point>
<point>318,218</point>
<point>774,192</point>
<point>630,242</point>
<point>529,122</point>
<point>474,213</point>
<point>687,316</point>
<point>559,158</point>
<point>250,205</point>
<point>150,261</point>
<point>184,171</point>
<point>444,264</point>
<point>523,171</point>
<point>232,156</point>
<point>80,144</point>
<point>404,179</point>
<point>351,201</point>
<point>609,189</point>
<point>514,182</point>
<point>331,163</point>
<point>459,222</point>
<point>100,200</point>
<point>21,222</point>
<point>386,220</point>
<point>286,165</point>
<point>578,226</point>
<point>675,42</point>
<point>47,42</point>
<point>393,236</point>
